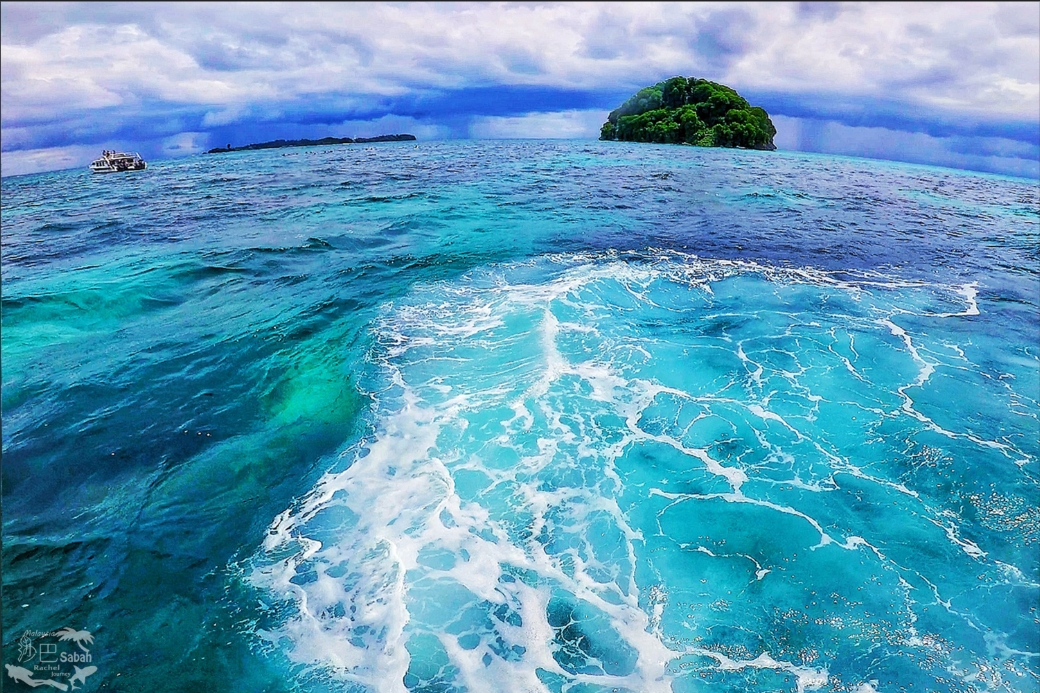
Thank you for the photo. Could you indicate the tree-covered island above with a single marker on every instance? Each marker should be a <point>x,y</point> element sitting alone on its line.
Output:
<point>278,144</point>
<point>690,111</point>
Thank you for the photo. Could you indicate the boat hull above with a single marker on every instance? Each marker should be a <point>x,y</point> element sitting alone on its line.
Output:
<point>118,170</point>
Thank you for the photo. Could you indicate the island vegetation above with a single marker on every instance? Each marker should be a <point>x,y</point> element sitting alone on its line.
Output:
<point>324,141</point>
<point>690,111</point>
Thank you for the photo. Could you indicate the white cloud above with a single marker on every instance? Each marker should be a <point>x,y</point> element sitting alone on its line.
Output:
<point>978,57</point>
<point>224,115</point>
<point>971,57</point>
<point>553,125</point>
<point>93,66</point>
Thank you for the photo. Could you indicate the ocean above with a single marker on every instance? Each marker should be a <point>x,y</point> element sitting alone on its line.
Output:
<point>517,416</point>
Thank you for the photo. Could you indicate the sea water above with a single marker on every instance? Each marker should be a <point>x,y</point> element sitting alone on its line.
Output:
<point>525,416</point>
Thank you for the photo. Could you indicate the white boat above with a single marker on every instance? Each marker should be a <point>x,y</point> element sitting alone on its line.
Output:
<point>114,162</point>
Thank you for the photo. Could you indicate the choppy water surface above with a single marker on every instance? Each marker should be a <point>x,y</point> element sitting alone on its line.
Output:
<point>526,416</point>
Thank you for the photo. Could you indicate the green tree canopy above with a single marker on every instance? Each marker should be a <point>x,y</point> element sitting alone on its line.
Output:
<point>693,111</point>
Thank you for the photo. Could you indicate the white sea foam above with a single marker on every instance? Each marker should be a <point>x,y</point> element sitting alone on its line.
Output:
<point>806,678</point>
<point>499,490</point>
<point>970,292</point>
<point>969,547</point>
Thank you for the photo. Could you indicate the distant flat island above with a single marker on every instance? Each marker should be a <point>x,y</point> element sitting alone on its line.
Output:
<point>278,144</point>
<point>690,111</point>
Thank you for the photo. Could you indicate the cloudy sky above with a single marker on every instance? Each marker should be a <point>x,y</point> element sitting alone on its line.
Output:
<point>948,84</point>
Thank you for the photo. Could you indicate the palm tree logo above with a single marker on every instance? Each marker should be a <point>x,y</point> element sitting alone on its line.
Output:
<point>77,636</point>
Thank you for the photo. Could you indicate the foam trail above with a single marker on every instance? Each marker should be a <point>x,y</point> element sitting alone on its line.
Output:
<point>367,645</point>
<point>531,510</point>
<point>970,292</point>
<point>418,511</point>
<point>807,679</point>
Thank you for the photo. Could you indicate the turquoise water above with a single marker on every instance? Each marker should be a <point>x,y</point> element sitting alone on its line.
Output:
<point>525,416</point>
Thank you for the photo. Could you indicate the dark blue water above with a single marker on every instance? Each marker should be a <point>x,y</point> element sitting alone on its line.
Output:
<point>525,416</point>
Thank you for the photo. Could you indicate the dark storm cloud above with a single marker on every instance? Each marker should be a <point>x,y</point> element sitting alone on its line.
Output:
<point>893,115</point>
